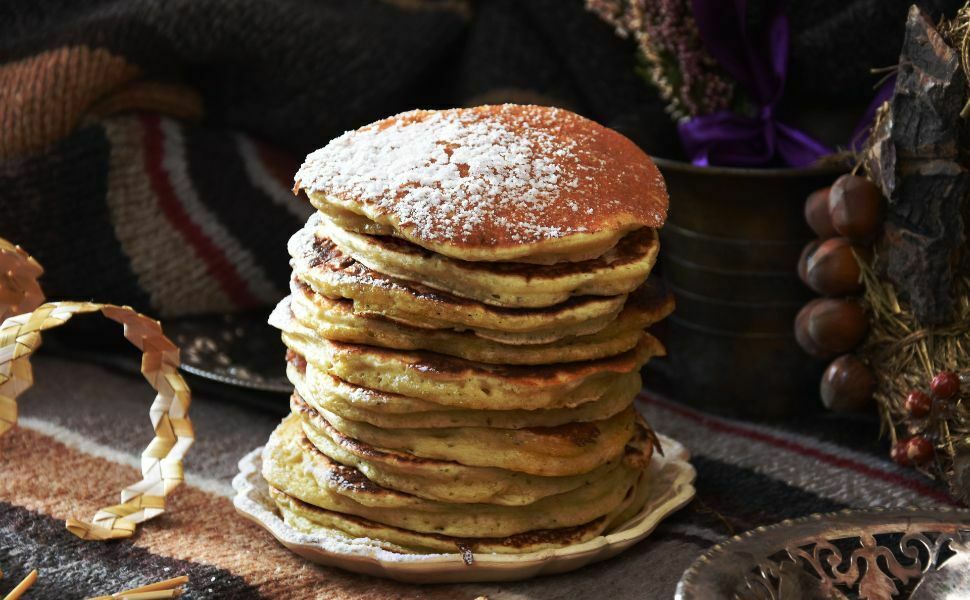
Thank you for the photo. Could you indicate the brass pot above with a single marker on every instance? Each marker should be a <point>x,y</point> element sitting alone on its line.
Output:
<point>729,253</point>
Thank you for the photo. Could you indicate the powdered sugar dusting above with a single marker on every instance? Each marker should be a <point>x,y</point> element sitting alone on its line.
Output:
<point>448,172</point>
<point>521,174</point>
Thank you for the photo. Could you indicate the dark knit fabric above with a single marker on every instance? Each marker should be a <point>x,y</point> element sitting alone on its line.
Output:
<point>835,44</point>
<point>147,148</point>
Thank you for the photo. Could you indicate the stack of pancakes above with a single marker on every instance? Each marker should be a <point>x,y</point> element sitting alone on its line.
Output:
<point>465,331</point>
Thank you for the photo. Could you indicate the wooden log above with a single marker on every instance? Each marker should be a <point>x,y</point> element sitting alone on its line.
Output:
<point>913,156</point>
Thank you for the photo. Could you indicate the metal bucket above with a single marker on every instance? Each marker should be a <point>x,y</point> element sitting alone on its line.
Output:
<point>729,252</point>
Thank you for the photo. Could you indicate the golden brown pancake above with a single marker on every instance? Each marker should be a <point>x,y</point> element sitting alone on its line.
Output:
<point>336,320</point>
<point>295,466</point>
<point>461,383</point>
<point>569,449</point>
<point>394,411</point>
<point>315,520</point>
<point>618,270</point>
<point>451,481</point>
<point>492,183</point>
<point>321,265</point>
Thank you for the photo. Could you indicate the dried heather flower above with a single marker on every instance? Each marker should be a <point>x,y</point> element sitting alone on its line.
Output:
<point>673,55</point>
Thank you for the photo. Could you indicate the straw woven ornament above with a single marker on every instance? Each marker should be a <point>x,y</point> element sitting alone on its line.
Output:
<point>20,336</point>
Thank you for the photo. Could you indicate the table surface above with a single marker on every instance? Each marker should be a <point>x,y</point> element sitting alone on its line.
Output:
<point>83,427</point>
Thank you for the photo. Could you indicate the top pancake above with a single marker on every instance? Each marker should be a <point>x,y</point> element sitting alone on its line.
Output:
<point>491,183</point>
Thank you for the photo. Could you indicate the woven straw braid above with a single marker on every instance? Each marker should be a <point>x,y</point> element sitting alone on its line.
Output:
<point>19,272</point>
<point>161,461</point>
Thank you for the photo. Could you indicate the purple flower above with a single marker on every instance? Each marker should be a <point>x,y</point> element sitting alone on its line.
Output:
<point>672,53</point>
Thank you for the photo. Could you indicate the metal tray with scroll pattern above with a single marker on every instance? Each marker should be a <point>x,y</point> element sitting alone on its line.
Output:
<point>869,555</point>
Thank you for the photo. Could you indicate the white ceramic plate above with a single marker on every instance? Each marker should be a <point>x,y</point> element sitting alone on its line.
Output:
<point>672,484</point>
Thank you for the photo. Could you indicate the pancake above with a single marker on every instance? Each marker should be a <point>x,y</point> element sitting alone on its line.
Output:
<point>450,481</point>
<point>491,183</point>
<point>569,449</point>
<point>465,331</point>
<point>393,411</point>
<point>335,320</point>
<point>314,520</point>
<point>619,270</point>
<point>460,383</point>
<point>321,265</point>
<point>294,466</point>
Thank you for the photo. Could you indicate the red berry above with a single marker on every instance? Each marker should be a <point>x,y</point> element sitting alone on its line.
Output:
<point>918,404</point>
<point>919,450</point>
<point>899,454</point>
<point>946,384</point>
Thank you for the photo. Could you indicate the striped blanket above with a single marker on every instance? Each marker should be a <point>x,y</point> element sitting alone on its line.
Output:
<point>83,427</point>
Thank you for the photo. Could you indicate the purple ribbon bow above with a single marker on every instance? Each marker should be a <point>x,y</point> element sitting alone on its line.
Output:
<point>759,66</point>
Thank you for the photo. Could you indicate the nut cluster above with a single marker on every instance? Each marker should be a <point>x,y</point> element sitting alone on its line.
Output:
<point>847,217</point>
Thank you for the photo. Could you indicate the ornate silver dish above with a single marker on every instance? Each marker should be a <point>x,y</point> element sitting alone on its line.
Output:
<point>870,555</point>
